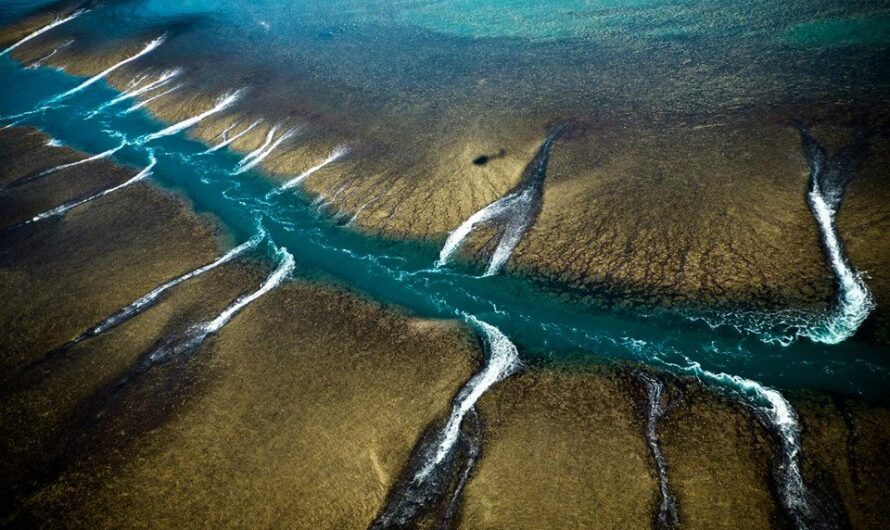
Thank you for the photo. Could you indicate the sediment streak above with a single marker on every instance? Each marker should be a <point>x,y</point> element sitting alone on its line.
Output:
<point>513,213</point>
<point>151,46</point>
<point>55,23</point>
<point>428,477</point>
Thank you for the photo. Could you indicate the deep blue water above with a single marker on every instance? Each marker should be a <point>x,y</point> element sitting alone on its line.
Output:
<point>399,273</point>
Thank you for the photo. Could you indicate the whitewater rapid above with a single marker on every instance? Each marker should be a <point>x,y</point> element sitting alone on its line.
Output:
<point>136,106</point>
<point>503,361</point>
<point>779,417</point>
<point>227,140</point>
<point>514,213</point>
<point>135,308</point>
<point>197,334</point>
<point>99,156</point>
<point>433,462</point>
<point>126,313</point>
<point>828,179</point>
<point>136,89</point>
<point>50,171</point>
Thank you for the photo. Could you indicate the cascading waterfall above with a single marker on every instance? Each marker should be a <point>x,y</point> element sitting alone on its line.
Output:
<point>853,303</point>
<point>473,449</point>
<point>54,24</point>
<point>513,213</point>
<point>433,458</point>
<point>335,155</point>
<point>151,46</point>
<point>60,210</point>
<point>778,416</point>
<point>196,335</point>
<point>137,307</point>
<point>828,179</point>
<point>503,361</point>
<point>136,90</point>
<point>656,409</point>
<point>50,171</point>
<point>227,140</point>
<point>122,315</point>
<point>259,154</point>
<point>222,103</point>
<point>143,103</point>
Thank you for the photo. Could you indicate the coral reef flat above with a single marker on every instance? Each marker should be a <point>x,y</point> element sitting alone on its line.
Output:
<point>489,264</point>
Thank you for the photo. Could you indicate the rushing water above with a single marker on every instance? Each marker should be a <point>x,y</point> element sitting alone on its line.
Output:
<point>517,319</point>
<point>403,272</point>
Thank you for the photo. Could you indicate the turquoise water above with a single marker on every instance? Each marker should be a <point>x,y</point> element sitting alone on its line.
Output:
<point>400,273</point>
<point>560,59</point>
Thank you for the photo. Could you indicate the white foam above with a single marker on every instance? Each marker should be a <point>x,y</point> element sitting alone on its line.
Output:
<point>503,360</point>
<point>259,154</point>
<point>285,267</point>
<point>222,103</point>
<point>336,154</point>
<point>151,46</point>
<point>149,298</point>
<point>135,91</point>
<point>59,210</point>
<point>100,156</point>
<point>513,205</point>
<point>54,24</point>
<point>39,62</point>
<point>137,106</point>
<point>855,302</point>
<point>779,413</point>
<point>227,140</point>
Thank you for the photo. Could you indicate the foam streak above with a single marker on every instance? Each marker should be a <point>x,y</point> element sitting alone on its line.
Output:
<point>151,46</point>
<point>100,156</point>
<point>514,213</point>
<point>227,140</point>
<point>258,155</point>
<point>54,24</point>
<point>60,210</point>
<point>336,154</point>
<point>222,103</point>
<point>503,361</point>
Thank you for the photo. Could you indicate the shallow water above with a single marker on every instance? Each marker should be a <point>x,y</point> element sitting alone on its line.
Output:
<point>401,272</point>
